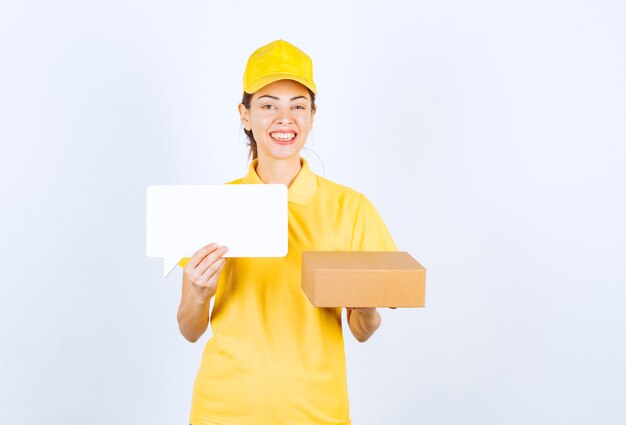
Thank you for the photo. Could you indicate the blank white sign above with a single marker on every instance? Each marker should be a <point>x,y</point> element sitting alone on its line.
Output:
<point>250,219</point>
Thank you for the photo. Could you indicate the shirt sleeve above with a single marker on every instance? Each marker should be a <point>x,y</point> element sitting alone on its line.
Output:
<point>183,262</point>
<point>370,231</point>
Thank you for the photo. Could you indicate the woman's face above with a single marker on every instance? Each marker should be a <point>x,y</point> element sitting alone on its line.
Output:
<point>280,117</point>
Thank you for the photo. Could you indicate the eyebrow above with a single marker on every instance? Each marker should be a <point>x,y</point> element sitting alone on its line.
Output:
<point>292,99</point>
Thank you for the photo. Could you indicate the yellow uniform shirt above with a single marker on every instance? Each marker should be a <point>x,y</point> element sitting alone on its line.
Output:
<point>275,359</point>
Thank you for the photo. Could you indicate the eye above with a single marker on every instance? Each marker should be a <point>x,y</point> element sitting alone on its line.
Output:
<point>264,106</point>
<point>300,106</point>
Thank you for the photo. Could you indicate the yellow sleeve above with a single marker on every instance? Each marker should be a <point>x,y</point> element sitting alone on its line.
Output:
<point>183,262</point>
<point>370,231</point>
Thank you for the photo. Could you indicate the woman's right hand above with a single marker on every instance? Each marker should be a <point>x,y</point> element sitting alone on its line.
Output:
<point>203,270</point>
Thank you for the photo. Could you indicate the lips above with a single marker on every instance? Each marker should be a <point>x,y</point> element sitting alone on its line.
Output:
<point>285,137</point>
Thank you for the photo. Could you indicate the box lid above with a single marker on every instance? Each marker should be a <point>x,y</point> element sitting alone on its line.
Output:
<point>361,260</point>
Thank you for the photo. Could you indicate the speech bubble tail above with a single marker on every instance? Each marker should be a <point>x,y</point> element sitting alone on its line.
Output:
<point>168,265</point>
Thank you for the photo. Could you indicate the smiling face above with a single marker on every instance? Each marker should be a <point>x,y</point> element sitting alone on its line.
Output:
<point>280,117</point>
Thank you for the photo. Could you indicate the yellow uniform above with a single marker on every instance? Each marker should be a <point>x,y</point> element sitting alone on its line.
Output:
<point>275,359</point>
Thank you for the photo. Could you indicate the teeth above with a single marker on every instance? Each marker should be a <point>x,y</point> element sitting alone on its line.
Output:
<point>283,136</point>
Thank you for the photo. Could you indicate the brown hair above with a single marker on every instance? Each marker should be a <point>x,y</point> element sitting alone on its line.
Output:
<point>247,97</point>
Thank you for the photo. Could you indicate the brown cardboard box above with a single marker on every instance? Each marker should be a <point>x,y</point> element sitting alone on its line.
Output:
<point>363,279</point>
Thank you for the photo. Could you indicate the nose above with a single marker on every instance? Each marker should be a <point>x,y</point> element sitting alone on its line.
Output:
<point>285,116</point>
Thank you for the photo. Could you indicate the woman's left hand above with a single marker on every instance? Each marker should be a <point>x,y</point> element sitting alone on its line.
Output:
<point>364,311</point>
<point>363,322</point>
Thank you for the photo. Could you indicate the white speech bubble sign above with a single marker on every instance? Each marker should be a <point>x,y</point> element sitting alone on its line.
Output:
<point>250,219</point>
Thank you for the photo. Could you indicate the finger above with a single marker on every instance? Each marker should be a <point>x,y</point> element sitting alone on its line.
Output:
<point>208,261</point>
<point>211,271</point>
<point>213,280</point>
<point>211,283</point>
<point>211,258</point>
<point>200,254</point>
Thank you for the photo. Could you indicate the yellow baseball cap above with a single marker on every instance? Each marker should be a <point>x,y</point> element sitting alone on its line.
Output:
<point>275,61</point>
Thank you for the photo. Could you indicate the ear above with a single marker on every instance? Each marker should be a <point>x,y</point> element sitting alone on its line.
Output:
<point>245,115</point>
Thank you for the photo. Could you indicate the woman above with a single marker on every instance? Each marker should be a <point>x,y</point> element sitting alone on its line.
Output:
<point>274,358</point>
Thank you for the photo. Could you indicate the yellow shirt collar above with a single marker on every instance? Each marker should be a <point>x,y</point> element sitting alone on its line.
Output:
<point>302,189</point>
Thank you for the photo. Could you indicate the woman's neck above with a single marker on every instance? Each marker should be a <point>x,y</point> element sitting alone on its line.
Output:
<point>276,171</point>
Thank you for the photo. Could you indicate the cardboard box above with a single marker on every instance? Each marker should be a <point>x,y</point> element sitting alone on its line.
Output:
<point>363,279</point>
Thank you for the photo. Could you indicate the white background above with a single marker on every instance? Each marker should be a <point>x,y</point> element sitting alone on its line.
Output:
<point>489,135</point>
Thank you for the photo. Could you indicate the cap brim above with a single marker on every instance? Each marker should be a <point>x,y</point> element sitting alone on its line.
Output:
<point>262,82</point>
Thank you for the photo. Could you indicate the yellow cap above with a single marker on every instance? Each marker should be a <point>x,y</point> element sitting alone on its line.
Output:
<point>275,61</point>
